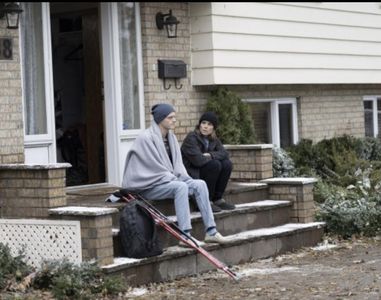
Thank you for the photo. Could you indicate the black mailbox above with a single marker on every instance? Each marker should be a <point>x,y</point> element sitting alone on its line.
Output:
<point>172,69</point>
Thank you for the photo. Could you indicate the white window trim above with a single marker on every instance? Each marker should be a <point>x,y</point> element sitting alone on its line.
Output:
<point>373,99</point>
<point>48,138</point>
<point>275,117</point>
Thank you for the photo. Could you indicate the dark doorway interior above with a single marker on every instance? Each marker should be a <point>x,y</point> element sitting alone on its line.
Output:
<point>78,90</point>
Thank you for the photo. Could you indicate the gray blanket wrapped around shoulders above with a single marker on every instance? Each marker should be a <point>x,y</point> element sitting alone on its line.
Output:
<point>147,163</point>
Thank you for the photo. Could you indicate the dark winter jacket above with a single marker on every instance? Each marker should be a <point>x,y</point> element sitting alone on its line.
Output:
<point>192,150</point>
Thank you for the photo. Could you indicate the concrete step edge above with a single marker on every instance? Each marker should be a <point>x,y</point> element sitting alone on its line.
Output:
<point>239,187</point>
<point>240,209</point>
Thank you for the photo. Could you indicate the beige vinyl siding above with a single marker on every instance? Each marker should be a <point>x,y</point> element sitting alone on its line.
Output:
<point>275,43</point>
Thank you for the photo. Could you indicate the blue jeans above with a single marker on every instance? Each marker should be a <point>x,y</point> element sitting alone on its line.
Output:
<point>180,191</point>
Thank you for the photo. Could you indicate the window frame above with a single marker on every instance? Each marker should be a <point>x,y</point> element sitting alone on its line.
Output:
<point>375,108</point>
<point>275,126</point>
<point>48,138</point>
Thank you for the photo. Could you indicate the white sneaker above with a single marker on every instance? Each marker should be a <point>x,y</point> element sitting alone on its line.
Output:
<point>185,245</point>
<point>217,238</point>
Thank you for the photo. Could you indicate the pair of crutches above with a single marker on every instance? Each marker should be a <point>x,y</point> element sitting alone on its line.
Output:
<point>170,226</point>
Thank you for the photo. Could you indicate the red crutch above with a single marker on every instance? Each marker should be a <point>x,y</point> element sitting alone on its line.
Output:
<point>161,220</point>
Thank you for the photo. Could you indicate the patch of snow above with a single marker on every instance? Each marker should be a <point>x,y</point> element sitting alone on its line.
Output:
<point>137,292</point>
<point>257,271</point>
<point>262,203</point>
<point>250,184</point>
<point>82,210</point>
<point>324,247</point>
<point>273,230</point>
<point>122,261</point>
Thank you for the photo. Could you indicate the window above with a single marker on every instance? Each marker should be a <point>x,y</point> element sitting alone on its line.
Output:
<point>372,115</point>
<point>34,95</point>
<point>129,65</point>
<point>285,125</point>
<point>275,120</point>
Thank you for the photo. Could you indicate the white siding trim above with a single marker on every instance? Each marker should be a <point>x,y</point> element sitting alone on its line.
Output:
<point>285,43</point>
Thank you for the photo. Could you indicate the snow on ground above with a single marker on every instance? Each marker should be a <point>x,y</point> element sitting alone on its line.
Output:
<point>136,292</point>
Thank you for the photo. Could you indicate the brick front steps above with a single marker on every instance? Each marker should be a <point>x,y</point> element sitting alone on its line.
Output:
<point>247,216</point>
<point>178,262</point>
<point>271,217</point>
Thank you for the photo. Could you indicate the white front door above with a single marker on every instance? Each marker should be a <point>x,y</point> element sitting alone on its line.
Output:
<point>123,81</point>
<point>121,71</point>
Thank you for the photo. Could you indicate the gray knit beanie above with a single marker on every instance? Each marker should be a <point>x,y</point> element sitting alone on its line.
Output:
<point>161,111</point>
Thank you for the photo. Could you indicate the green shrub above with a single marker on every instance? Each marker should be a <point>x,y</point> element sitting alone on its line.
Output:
<point>349,187</point>
<point>350,216</point>
<point>11,267</point>
<point>66,280</point>
<point>70,281</point>
<point>369,148</point>
<point>235,123</point>
<point>283,165</point>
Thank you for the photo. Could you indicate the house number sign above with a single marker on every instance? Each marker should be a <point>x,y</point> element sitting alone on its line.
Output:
<point>6,50</point>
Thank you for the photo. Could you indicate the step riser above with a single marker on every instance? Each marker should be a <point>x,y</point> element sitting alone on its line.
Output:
<point>193,263</point>
<point>247,196</point>
<point>226,225</point>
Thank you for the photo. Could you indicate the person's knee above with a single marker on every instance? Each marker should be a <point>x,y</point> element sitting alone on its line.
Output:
<point>182,187</point>
<point>226,164</point>
<point>214,166</point>
<point>200,184</point>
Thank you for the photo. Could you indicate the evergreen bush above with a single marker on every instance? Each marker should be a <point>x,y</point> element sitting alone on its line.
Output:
<point>283,165</point>
<point>235,122</point>
<point>348,192</point>
<point>11,267</point>
<point>69,281</point>
<point>65,280</point>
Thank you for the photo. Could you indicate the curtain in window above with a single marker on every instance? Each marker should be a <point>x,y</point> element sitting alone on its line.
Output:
<point>285,125</point>
<point>33,69</point>
<point>379,116</point>
<point>261,114</point>
<point>129,65</point>
<point>368,118</point>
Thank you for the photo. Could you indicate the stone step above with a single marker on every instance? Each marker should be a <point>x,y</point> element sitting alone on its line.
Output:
<point>245,192</point>
<point>236,192</point>
<point>246,216</point>
<point>242,247</point>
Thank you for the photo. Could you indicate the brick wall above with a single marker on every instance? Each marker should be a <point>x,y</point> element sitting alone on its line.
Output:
<point>251,162</point>
<point>297,190</point>
<point>189,101</point>
<point>29,191</point>
<point>11,118</point>
<point>324,111</point>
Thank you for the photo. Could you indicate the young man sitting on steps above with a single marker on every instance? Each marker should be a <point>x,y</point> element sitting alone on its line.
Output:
<point>154,168</point>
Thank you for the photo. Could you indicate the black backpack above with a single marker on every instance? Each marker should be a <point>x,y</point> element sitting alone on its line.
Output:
<point>138,232</point>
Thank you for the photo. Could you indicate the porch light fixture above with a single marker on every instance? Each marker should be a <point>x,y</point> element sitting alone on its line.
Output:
<point>169,21</point>
<point>12,11</point>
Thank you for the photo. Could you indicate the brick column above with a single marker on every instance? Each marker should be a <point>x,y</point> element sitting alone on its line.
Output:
<point>251,162</point>
<point>297,190</point>
<point>96,230</point>
<point>28,191</point>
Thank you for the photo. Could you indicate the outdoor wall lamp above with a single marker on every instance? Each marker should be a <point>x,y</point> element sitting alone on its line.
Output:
<point>12,11</point>
<point>169,21</point>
